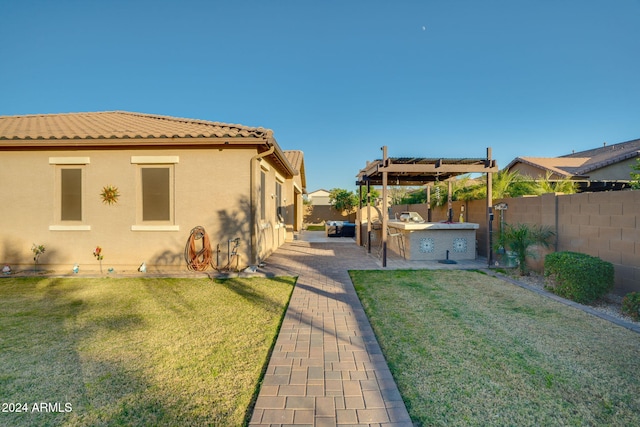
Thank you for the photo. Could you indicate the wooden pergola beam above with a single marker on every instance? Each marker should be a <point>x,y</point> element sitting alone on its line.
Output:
<point>434,169</point>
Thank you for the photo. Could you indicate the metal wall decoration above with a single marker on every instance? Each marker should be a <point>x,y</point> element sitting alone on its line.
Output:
<point>110,194</point>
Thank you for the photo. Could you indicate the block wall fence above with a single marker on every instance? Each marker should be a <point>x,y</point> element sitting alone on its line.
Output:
<point>604,224</point>
<point>316,214</point>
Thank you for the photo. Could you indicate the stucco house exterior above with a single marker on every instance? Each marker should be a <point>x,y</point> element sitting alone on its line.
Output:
<point>170,175</point>
<point>599,169</point>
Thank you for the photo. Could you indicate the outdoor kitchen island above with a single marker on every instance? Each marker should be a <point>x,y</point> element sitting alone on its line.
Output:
<point>430,241</point>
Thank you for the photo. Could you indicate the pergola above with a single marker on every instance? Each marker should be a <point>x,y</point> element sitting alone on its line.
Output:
<point>415,171</point>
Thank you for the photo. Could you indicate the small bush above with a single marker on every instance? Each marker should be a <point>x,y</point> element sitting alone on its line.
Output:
<point>520,238</point>
<point>578,277</point>
<point>631,305</point>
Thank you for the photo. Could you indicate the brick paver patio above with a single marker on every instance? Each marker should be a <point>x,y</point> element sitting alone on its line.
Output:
<point>327,368</point>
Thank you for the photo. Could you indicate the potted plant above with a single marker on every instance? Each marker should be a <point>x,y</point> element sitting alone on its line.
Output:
<point>520,238</point>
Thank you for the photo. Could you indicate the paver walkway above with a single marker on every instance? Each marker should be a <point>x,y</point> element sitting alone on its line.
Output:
<point>327,368</point>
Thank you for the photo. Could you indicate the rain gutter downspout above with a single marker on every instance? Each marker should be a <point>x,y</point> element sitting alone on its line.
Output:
<point>253,202</point>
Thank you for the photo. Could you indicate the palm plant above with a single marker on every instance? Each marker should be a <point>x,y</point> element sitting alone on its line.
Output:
<point>547,185</point>
<point>520,238</point>
<point>502,181</point>
<point>503,184</point>
<point>463,188</point>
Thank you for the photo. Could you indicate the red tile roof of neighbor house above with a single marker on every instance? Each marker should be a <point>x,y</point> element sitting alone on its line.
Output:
<point>580,163</point>
<point>557,165</point>
<point>118,124</point>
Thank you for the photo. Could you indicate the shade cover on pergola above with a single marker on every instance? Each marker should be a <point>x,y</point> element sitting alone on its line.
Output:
<point>416,171</point>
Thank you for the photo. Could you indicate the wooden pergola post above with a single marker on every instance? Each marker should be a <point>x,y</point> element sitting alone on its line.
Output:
<point>384,208</point>
<point>489,211</point>
<point>359,216</point>
<point>449,201</point>
<point>428,202</point>
<point>368,216</point>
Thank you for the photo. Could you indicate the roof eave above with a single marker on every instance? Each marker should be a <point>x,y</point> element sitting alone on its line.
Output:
<point>280,158</point>
<point>610,161</point>
<point>94,143</point>
<point>557,169</point>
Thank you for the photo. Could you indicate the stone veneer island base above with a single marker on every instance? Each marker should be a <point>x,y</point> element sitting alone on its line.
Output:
<point>430,241</point>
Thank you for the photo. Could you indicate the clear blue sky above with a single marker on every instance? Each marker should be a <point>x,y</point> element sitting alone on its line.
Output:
<point>340,79</point>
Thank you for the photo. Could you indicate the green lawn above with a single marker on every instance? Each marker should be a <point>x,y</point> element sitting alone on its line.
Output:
<point>161,352</point>
<point>315,228</point>
<point>467,349</point>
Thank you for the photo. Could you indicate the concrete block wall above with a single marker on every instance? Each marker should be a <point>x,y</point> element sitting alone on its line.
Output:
<point>322,213</point>
<point>603,224</point>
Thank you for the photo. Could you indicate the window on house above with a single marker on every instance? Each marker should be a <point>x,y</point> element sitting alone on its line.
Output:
<point>156,193</point>
<point>155,199</point>
<point>71,194</point>
<point>263,195</point>
<point>279,207</point>
<point>68,196</point>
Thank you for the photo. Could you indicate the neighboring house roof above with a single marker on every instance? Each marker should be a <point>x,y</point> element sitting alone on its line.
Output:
<point>120,128</point>
<point>576,165</point>
<point>607,155</point>
<point>557,165</point>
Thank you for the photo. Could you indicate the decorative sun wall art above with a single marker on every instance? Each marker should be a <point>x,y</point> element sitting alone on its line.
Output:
<point>110,194</point>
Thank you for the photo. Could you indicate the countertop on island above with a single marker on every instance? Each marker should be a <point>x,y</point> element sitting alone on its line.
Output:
<point>415,226</point>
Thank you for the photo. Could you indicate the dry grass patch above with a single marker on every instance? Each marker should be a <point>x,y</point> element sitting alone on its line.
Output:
<point>136,351</point>
<point>469,349</point>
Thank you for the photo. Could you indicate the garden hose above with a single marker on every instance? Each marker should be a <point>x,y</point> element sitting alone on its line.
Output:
<point>198,260</point>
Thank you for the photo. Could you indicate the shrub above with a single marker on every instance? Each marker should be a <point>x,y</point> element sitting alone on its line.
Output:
<point>578,277</point>
<point>631,305</point>
<point>520,238</point>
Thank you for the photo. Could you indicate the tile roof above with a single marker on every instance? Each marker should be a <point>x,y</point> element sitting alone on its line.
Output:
<point>580,163</point>
<point>118,125</point>
<point>559,165</point>
<point>296,159</point>
<point>633,145</point>
<point>123,128</point>
<point>607,155</point>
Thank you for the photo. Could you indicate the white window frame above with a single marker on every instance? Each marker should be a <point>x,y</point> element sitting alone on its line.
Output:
<point>61,163</point>
<point>142,162</point>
